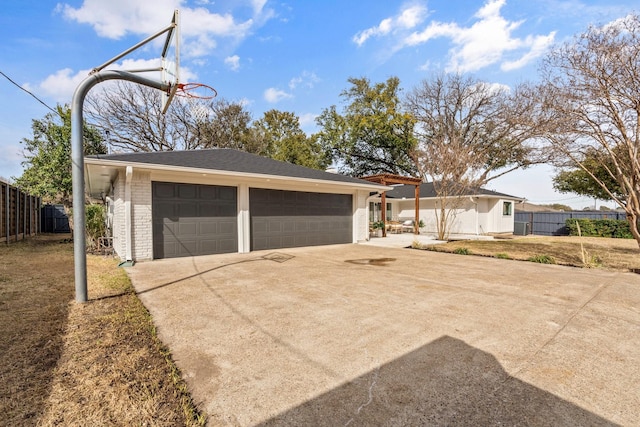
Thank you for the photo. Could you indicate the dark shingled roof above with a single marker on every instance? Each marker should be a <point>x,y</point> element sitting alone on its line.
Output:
<point>225,159</point>
<point>427,191</point>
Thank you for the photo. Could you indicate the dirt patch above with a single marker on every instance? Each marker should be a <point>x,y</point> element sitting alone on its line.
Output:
<point>64,363</point>
<point>614,254</point>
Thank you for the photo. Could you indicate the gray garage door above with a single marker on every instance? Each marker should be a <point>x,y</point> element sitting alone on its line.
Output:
<point>286,219</point>
<point>191,219</point>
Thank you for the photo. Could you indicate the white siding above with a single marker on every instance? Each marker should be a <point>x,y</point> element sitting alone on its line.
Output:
<point>360,217</point>
<point>474,216</point>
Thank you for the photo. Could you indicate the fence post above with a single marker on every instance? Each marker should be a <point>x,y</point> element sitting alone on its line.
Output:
<point>6,210</point>
<point>17,216</point>
<point>24,216</point>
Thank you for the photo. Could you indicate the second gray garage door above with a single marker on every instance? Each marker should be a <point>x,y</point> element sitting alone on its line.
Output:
<point>286,219</point>
<point>190,219</point>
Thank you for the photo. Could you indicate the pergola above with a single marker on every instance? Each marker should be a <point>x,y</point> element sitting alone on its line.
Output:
<point>389,179</point>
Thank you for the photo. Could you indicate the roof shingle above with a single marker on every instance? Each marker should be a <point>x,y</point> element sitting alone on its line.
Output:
<point>226,159</point>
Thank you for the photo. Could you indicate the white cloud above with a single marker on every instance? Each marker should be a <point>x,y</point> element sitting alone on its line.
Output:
<point>409,17</point>
<point>488,40</point>
<point>273,95</point>
<point>200,28</point>
<point>233,62</point>
<point>61,85</point>
<point>306,79</point>
<point>308,121</point>
<point>539,46</point>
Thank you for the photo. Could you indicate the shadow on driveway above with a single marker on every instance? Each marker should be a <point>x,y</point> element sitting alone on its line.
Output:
<point>445,382</point>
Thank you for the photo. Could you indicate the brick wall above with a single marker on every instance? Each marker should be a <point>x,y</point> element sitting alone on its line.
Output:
<point>141,221</point>
<point>142,232</point>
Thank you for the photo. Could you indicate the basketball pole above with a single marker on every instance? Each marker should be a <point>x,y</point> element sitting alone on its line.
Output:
<point>77,167</point>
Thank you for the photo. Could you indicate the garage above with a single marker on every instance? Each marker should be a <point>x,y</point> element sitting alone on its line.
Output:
<point>192,219</point>
<point>286,219</point>
<point>169,204</point>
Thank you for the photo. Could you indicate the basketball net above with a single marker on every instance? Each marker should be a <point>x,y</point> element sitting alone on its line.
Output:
<point>197,96</point>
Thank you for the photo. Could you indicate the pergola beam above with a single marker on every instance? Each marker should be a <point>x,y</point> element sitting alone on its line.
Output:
<point>389,179</point>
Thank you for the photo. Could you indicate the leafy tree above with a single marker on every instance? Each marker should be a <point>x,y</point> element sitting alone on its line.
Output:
<point>285,141</point>
<point>372,135</point>
<point>48,157</point>
<point>229,126</point>
<point>578,181</point>
<point>468,133</point>
<point>589,104</point>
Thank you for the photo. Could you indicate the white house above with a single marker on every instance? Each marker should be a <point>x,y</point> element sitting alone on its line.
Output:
<point>481,211</point>
<point>184,203</point>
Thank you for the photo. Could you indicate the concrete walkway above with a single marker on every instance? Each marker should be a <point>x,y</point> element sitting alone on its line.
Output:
<point>359,335</point>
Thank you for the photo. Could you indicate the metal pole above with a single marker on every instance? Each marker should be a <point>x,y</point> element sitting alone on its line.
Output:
<point>77,167</point>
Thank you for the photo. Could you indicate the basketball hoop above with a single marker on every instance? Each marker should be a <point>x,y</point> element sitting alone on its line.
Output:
<point>195,94</point>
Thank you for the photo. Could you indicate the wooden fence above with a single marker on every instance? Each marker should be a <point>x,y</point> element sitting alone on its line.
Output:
<point>19,214</point>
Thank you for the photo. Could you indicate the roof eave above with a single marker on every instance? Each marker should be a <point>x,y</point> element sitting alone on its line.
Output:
<point>169,168</point>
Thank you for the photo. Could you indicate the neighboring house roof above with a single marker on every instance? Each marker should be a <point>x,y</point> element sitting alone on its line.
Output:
<point>223,161</point>
<point>427,191</point>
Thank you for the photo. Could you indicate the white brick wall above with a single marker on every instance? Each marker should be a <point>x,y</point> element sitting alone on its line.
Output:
<point>142,233</point>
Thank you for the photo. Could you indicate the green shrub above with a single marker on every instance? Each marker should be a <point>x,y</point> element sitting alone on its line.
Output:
<point>617,228</point>
<point>462,251</point>
<point>542,259</point>
<point>502,255</point>
<point>95,224</point>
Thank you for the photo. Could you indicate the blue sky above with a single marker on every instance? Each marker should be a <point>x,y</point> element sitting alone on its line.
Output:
<point>289,55</point>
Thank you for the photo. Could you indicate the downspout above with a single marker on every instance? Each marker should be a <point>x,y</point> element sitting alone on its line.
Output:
<point>127,215</point>
<point>475,203</point>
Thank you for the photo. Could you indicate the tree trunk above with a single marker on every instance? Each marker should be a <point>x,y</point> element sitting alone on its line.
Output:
<point>632,219</point>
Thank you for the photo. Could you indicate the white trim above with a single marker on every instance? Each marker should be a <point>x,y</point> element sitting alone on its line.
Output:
<point>127,214</point>
<point>244,241</point>
<point>234,174</point>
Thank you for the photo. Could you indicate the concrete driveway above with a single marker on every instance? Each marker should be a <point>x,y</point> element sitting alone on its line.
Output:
<point>362,335</point>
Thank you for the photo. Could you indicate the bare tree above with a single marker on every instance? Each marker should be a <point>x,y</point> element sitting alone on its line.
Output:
<point>131,116</point>
<point>589,102</point>
<point>468,134</point>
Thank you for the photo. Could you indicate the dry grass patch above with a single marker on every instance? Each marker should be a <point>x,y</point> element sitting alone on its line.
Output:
<point>614,254</point>
<point>98,363</point>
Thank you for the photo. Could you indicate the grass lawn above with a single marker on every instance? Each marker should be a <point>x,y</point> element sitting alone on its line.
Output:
<point>590,252</point>
<point>70,364</point>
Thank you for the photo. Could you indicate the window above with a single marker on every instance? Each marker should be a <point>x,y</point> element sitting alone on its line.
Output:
<point>506,208</point>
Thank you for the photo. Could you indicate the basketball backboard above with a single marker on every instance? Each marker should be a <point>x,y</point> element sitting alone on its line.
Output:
<point>171,61</point>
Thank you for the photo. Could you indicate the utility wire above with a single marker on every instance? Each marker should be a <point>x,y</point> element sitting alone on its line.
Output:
<point>34,96</point>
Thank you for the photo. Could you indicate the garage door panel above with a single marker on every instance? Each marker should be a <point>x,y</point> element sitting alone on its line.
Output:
<point>191,219</point>
<point>281,219</point>
<point>187,191</point>
<point>185,209</point>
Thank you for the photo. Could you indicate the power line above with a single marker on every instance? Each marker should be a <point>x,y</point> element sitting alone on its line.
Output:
<point>21,88</point>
